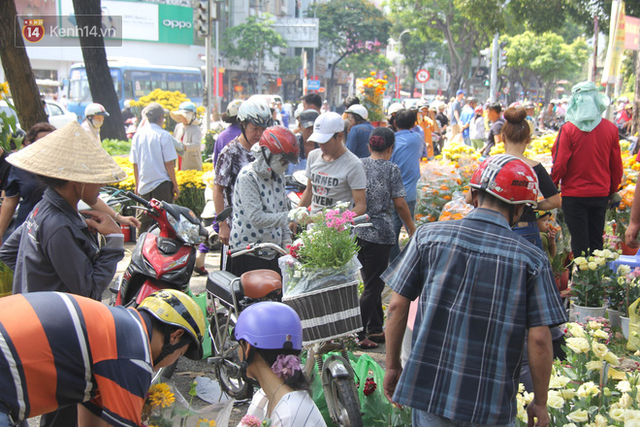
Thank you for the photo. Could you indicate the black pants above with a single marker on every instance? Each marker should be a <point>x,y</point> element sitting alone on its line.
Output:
<point>243,263</point>
<point>63,417</point>
<point>375,260</point>
<point>585,218</point>
<point>163,192</point>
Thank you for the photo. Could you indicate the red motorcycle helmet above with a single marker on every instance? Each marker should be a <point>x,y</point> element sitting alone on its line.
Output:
<point>280,140</point>
<point>507,178</point>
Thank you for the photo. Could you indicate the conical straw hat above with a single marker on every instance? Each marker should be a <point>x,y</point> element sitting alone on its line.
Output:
<point>70,154</point>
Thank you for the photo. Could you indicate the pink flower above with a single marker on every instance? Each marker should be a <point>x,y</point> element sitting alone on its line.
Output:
<point>250,421</point>
<point>285,366</point>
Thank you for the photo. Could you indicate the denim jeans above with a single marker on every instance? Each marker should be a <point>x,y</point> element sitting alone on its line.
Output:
<point>426,419</point>
<point>5,420</point>
<point>531,232</point>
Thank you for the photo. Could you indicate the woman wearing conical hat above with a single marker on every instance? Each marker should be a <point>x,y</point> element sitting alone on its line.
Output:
<point>56,248</point>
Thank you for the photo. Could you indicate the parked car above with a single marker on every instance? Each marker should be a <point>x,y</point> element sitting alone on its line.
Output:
<point>58,115</point>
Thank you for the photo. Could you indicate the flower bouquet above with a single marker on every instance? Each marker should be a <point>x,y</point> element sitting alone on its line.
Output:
<point>371,93</point>
<point>436,186</point>
<point>164,406</point>
<point>323,256</point>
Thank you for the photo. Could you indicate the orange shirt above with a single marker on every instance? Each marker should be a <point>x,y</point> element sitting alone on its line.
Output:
<point>428,127</point>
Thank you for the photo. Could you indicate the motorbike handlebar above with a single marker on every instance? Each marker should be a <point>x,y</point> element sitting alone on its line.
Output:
<point>137,198</point>
<point>254,247</point>
<point>360,219</point>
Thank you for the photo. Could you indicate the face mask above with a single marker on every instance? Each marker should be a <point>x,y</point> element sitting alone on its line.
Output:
<point>278,164</point>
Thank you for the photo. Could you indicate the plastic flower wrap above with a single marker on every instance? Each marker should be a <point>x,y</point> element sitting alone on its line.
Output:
<point>456,208</point>
<point>371,94</point>
<point>435,189</point>
<point>324,255</point>
<point>164,406</point>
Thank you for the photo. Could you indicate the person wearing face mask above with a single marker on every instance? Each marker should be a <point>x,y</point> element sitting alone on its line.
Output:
<point>259,201</point>
<point>94,116</point>
<point>188,132</point>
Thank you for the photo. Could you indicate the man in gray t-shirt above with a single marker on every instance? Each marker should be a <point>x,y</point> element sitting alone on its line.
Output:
<point>334,173</point>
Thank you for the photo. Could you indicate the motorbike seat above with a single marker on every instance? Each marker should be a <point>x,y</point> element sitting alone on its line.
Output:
<point>260,283</point>
<point>224,285</point>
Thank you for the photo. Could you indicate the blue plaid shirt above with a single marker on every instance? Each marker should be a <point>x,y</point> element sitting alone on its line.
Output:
<point>481,286</point>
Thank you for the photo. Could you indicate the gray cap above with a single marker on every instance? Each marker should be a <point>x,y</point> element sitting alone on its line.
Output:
<point>307,117</point>
<point>153,111</point>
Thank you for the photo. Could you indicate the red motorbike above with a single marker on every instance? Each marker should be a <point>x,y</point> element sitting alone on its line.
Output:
<point>164,256</point>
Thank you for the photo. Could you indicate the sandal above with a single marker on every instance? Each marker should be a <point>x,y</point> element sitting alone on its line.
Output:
<point>367,344</point>
<point>200,271</point>
<point>378,338</point>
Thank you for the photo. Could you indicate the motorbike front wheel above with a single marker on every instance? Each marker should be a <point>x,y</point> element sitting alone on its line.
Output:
<point>232,382</point>
<point>346,410</point>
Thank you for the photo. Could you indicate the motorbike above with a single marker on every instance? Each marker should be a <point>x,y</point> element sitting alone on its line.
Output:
<point>230,295</point>
<point>164,256</point>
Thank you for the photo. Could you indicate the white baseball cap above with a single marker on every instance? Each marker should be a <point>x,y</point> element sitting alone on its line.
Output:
<point>359,110</point>
<point>325,126</point>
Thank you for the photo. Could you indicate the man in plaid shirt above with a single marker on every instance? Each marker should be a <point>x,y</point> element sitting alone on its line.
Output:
<point>482,288</point>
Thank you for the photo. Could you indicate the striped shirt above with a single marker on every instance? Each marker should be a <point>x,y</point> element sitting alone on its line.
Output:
<point>59,349</point>
<point>295,409</point>
<point>481,286</point>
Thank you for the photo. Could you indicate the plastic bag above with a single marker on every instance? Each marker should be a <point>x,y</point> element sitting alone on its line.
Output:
<point>456,208</point>
<point>375,407</point>
<point>165,406</point>
<point>6,280</point>
<point>633,343</point>
<point>298,280</point>
<point>435,188</point>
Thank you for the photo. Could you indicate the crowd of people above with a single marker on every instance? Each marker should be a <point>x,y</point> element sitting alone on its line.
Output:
<point>474,306</point>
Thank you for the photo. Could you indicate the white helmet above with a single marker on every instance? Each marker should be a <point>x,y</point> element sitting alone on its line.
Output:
<point>232,108</point>
<point>95,109</point>
<point>256,112</point>
<point>359,110</point>
<point>394,108</point>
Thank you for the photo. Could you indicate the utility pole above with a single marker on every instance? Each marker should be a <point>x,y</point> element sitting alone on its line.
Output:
<point>494,68</point>
<point>203,25</point>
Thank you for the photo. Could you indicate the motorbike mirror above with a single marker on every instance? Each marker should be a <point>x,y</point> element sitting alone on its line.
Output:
<point>226,213</point>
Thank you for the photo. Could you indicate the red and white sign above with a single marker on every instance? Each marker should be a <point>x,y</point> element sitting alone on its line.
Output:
<point>505,90</point>
<point>423,76</point>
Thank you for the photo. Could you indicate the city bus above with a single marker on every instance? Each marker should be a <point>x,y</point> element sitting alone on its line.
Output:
<point>132,81</point>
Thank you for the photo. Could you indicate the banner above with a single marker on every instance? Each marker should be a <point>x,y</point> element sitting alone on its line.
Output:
<point>632,33</point>
<point>616,43</point>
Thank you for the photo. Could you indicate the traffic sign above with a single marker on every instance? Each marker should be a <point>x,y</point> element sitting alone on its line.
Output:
<point>321,90</point>
<point>313,84</point>
<point>505,90</point>
<point>423,76</point>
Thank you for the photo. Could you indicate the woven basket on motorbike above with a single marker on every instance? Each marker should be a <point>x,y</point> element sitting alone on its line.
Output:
<point>327,313</point>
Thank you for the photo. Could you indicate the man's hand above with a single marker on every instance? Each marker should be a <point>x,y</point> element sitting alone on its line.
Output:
<point>390,382</point>
<point>539,412</point>
<point>224,232</point>
<point>631,235</point>
<point>131,221</point>
<point>101,222</point>
<point>176,191</point>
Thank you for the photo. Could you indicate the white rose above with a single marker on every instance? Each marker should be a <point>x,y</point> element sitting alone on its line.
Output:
<point>592,265</point>
<point>579,416</point>
<point>600,334</point>
<point>576,330</point>
<point>624,269</point>
<point>623,386</point>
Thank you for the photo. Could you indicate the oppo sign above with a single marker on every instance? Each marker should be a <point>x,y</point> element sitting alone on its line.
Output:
<point>176,24</point>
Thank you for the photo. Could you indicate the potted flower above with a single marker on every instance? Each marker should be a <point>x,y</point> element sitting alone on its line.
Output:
<point>588,283</point>
<point>371,94</point>
<point>630,292</point>
<point>616,291</point>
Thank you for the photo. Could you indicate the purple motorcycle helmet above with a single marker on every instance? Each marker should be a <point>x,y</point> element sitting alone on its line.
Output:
<point>270,326</point>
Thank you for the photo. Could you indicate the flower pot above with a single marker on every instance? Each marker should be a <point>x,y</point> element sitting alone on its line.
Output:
<point>624,324</point>
<point>580,313</point>
<point>626,250</point>
<point>614,317</point>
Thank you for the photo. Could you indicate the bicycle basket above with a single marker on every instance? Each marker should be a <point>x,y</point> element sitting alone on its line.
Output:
<point>327,313</point>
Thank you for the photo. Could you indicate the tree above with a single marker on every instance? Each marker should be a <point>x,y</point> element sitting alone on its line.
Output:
<point>545,57</point>
<point>465,25</point>
<point>350,27</point>
<point>361,64</point>
<point>251,41</point>
<point>416,50</point>
<point>289,67</point>
<point>17,68</point>
<point>89,15</point>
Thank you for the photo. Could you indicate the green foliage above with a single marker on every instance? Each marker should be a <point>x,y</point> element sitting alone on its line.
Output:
<point>250,40</point>
<point>191,197</point>
<point>545,57</point>
<point>361,64</point>
<point>116,147</point>
<point>349,27</point>
<point>210,141</point>
<point>290,65</point>
<point>8,126</point>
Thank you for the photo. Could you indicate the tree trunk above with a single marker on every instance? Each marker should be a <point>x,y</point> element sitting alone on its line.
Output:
<point>17,69</point>
<point>89,15</point>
